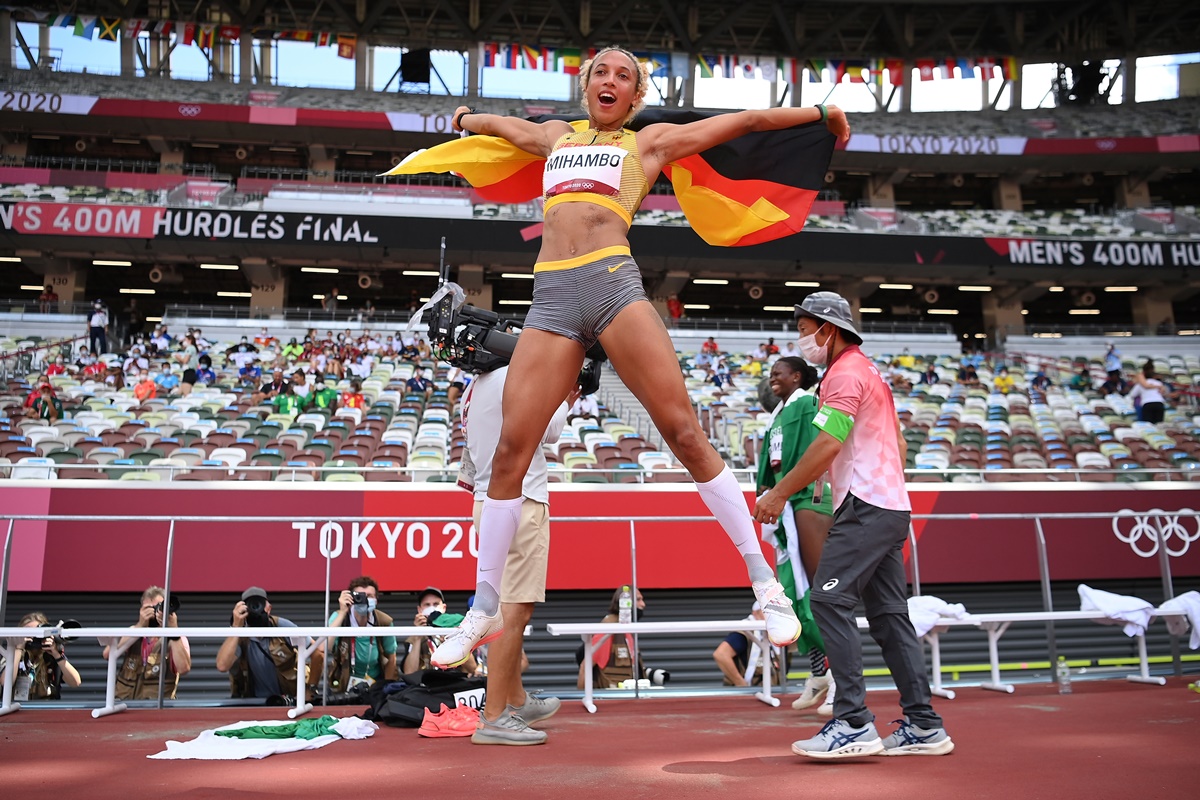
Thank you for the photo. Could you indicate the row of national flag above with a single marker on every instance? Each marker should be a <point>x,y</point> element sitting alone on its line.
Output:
<point>567,60</point>
<point>854,70</point>
<point>203,35</point>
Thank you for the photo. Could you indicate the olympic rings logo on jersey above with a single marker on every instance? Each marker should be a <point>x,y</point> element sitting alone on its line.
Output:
<point>1158,528</point>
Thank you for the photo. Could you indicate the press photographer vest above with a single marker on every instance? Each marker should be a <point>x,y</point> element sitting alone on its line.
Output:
<point>282,653</point>
<point>45,678</point>
<point>619,664</point>
<point>339,669</point>
<point>138,679</point>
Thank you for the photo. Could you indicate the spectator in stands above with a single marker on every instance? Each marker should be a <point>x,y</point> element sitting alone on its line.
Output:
<point>42,666</point>
<point>329,301</point>
<point>161,339</point>
<point>359,660</point>
<point>166,380</point>
<point>188,359</point>
<point>262,667</point>
<point>292,351</point>
<point>333,365</point>
<point>861,445</point>
<point>800,534</point>
<point>1112,360</point>
<point>287,401</point>
<point>48,300</point>
<point>98,328</point>
<point>114,377</point>
<point>134,320</point>
<point>789,349</point>
<point>1115,384</point>
<point>201,342</point>
<point>930,376</point>
<point>84,358</point>
<point>431,604</point>
<point>710,347</point>
<point>360,366</point>
<point>409,352</point>
<point>264,339</point>
<point>420,383</point>
<point>759,353</point>
<point>204,371</point>
<point>271,389</point>
<point>1003,382</point>
<point>1041,381</point>
<point>59,367</point>
<point>322,397</point>
<point>1147,394</point>
<point>772,348</point>
<point>137,675</point>
<point>457,380</point>
<point>898,376</point>
<point>46,404</point>
<point>967,376</point>
<point>300,386</point>
<point>733,655</point>
<point>136,361</point>
<point>674,310</point>
<point>524,581</point>
<point>622,318</point>
<point>612,654</point>
<point>1081,380</point>
<point>585,406</point>
<point>906,359</point>
<point>353,397</point>
<point>144,387</point>
<point>424,353</point>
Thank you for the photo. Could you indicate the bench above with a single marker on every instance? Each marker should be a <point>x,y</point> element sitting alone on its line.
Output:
<point>754,627</point>
<point>109,636</point>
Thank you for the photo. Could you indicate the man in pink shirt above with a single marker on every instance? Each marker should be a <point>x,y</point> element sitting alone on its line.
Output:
<point>861,444</point>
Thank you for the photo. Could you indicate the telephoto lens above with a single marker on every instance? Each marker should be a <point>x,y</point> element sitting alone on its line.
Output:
<point>358,598</point>
<point>658,677</point>
<point>431,616</point>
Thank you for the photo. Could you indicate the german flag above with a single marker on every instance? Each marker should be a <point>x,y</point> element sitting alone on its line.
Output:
<point>753,189</point>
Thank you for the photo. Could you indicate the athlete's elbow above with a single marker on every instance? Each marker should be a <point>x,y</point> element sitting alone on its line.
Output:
<point>755,120</point>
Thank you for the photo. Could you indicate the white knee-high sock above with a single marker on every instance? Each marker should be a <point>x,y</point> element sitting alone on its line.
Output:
<point>498,520</point>
<point>724,499</point>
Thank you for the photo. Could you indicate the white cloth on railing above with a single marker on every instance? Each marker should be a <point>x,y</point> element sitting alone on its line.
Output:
<point>210,747</point>
<point>925,610</point>
<point>1189,604</point>
<point>1132,612</point>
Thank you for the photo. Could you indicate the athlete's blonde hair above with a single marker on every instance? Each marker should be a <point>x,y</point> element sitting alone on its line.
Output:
<point>639,92</point>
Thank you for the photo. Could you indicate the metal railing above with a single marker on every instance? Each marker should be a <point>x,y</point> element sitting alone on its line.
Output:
<point>22,362</point>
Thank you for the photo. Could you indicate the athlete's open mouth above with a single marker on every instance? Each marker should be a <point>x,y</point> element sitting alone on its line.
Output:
<point>607,98</point>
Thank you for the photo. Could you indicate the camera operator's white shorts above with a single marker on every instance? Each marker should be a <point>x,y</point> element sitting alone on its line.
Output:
<point>524,578</point>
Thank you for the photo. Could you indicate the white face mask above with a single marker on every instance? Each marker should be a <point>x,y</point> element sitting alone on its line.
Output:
<point>814,353</point>
<point>425,610</point>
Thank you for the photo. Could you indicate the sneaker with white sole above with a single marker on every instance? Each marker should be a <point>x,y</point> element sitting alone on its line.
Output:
<point>508,729</point>
<point>537,708</point>
<point>816,687</point>
<point>826,707</point>
<point>910,740</point>
<point>476,628</point>
<point>840,739</point>
<point>783,627</point>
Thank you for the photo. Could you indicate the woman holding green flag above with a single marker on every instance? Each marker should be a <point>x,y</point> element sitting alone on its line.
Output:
<point>799,536</point>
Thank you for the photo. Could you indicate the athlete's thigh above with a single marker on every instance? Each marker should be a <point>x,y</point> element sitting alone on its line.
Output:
<point>544,368</point>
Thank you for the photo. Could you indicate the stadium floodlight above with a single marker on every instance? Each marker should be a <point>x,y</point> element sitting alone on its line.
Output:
<point>326,270</point>
<point>870,310</point>
<point>946,312</point>
<point>784,309</point>
<point>900,286</point>
<point>517,276</point>
<point>516,302</point>
<point>219,266</point>
<point>100,262</point>
<point>803,284</point>
<point>425,273</point>
<point>1057,289</point>
<point>969,288</point>
<point>30,288</point>
<point>1120,288</point>
<point>1084,312</point>
<point>697,306</point>
<point>234,294</point>
<point>10,259</point>
<point>137,291</point>
<point>710,282</point>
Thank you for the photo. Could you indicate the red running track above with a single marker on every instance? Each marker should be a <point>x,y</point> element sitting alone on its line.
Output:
<point>1108,739</point>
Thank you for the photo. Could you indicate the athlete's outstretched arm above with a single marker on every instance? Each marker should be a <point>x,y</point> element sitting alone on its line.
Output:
<point>532,137</point>
<point>667,142</point>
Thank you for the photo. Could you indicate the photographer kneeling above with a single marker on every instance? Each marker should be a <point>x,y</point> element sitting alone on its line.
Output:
<point>612,654</point>
<point>359,661</point>
<point>137,677</point>
<point>42,665</point>
<point>431,604</point>
<point>259,667</point>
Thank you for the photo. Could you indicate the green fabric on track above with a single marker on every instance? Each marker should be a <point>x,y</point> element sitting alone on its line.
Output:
<point>304,729</point>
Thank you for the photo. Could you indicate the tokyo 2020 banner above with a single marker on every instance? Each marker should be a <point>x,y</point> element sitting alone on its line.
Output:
<point>416,536</point>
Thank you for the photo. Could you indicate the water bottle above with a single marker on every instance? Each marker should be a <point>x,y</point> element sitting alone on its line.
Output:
<point>1063,672</point>
<point>625,605</point>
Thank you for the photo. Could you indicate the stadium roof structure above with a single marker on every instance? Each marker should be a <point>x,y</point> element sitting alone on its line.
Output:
<point>1029,30</point>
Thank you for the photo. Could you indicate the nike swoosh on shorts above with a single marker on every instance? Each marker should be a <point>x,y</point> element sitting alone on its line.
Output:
<point>618,266</point>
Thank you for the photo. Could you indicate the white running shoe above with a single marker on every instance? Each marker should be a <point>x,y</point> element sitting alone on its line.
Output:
<point>815,689</point>
<point>783,627</point>
<point>826,709</point>
<point>476,629</point>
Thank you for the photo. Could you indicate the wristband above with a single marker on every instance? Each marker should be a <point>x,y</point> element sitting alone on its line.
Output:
<point>61,659</point>
<point>461,114</point>
<point>824,112</point>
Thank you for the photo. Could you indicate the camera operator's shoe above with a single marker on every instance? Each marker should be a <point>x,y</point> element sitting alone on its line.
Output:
<point>536,708</point>
<point>476,629</point>
<point>815,689</point>
<point>840,739</point>
<point>909,740</point>
<point>449,722</point>
<point>509,729</point>
<point>783,627</point>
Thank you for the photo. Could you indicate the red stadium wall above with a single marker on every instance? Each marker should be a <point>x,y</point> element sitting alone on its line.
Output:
<point>403,548</point>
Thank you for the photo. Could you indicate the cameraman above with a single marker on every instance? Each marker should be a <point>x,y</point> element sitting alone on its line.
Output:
<point>42,665</point>
<point>258,667</point>
<point>431,604</point>
<point>137,677</point>
<point>360,659</point>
